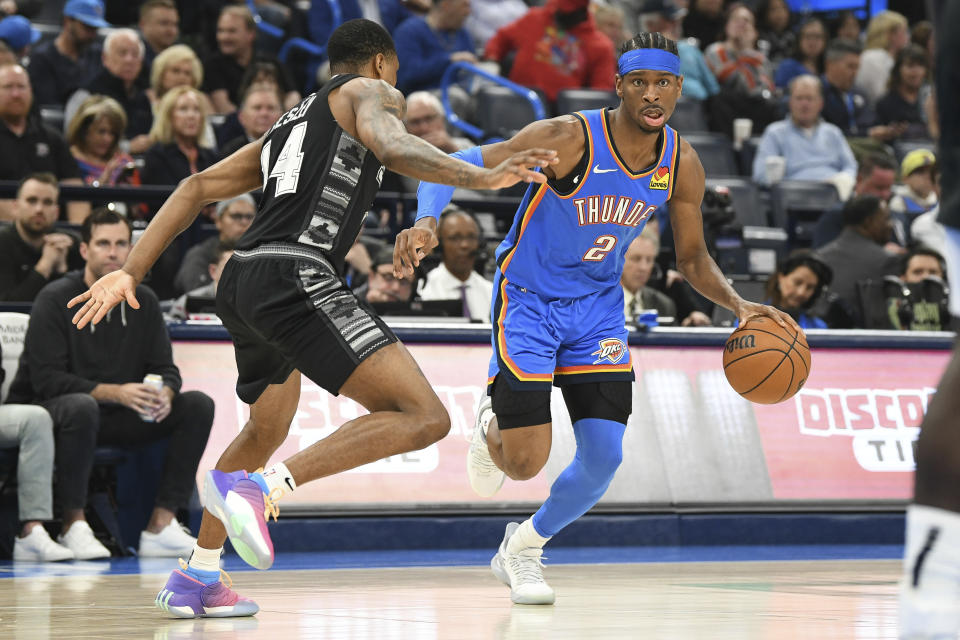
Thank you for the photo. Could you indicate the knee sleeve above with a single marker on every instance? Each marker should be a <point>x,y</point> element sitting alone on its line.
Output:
<point>600,400</point>
<point>519,408</point>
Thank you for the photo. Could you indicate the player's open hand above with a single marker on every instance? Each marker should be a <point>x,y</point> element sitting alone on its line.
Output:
<point>411,246</point>
<point>520,168</point>
<point>104,295</point>
<point>747,310</point>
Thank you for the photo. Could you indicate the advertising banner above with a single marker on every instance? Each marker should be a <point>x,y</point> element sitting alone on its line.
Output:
<point>847,435</point>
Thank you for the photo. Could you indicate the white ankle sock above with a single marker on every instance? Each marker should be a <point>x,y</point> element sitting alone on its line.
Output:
<point>525,537</point>
<point>205,559</point>
<point>279,477</point>
<point>932,551</point>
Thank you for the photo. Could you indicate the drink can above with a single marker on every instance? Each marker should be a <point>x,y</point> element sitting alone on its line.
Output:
<point>155,382</point>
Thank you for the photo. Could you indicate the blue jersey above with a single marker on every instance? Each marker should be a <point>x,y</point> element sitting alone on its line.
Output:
<point>567,246</point>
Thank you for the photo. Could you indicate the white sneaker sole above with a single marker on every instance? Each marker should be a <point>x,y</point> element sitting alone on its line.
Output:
<point>241,523</point>
<point>485,485</point>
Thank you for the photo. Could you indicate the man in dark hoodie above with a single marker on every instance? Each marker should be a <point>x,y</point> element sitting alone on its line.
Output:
<point>91,383</point>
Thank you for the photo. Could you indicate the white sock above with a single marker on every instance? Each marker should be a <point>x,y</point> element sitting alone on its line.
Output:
<point>932,551</point>
<point>279,477</point>
<point>205,559</point>
<point>525,537</point>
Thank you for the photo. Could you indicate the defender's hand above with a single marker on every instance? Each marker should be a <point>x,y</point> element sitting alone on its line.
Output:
<point>517,168</point>
<point>412,245</point>
<point>104,295</point>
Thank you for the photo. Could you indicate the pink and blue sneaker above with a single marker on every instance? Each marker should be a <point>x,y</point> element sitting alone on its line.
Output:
<point>239,502</point>
<point>187,597</point>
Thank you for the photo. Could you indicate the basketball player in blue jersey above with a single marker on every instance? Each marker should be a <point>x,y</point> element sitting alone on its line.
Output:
<point>284,300</point>
<point>558,305</point>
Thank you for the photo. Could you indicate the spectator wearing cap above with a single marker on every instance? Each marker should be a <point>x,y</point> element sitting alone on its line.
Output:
<point>122,62</point>
<point>427,46</point>
<point>917,193</point>
<point>233,218</point>
<point>18,34</point>
<point>581,56</point>
<point>664,16</point>
<point>59,67</point>
<point>812,149</point>
<point>29,146</point>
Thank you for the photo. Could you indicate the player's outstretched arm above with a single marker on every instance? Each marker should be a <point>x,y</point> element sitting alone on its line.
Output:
<point>693,258</point>
<point>378,112</point>
<point>232,176</point>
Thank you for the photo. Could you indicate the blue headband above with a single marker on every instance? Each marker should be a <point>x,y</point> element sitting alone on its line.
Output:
<point>649,60</point>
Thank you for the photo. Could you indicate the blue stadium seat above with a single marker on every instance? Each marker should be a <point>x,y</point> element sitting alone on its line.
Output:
<point>688,117</point>
<point>502,112</point>
<point>570,100</point>
<point>798,204</point>
<point>716,153</point>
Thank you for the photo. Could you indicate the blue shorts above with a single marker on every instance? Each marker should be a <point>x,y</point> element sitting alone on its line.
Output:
<point>541,341</point>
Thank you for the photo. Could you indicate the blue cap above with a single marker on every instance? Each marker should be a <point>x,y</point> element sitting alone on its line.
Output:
<point>17,32</point>
<point>89,12</point>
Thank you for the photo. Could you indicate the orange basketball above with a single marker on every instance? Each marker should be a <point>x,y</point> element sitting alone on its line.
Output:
<point>764,362</point>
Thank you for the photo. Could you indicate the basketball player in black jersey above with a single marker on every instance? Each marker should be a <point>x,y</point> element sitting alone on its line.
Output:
<point>287,307</point>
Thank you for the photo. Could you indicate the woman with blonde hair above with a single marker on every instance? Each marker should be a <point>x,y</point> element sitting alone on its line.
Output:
<point>887,34</point>
<point>94,136</point>
<point>176,66</point>
<point>179,138</point>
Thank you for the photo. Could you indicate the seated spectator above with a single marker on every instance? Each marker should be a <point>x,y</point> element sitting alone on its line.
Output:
<point>887,34</point>
<point>180,147</point>
<point>382,285</point>
<point>643,286</point>
<point>609,19</point>
<point>223,71</point>
<point>17,33</point>
<point>61,66</point>
<point>744,74</point>
<point>91,383</point>
<point>705,22</point>
<point>32,253</point>
<point>30,146</point>
<point>901,104</point>
<point>581,56</point>
<point>795,288</point>
<point>216,261</point>
<point>122,60</point>
<point>94,137</point>
<point>487,16</point>
<point>916,300</point>
<point>876,176</point>
<point>387,13</point>
<point>806,56</point>
<point>233,218</point>
<point>846,26</point>
<point>176,66</point>
<point>427,46</point>
<point>30,429</point>
<point>159,29</point>
<point>664,16</point>
<point>776,37</point>
<point>926,230</point>
<point>811,148</point>
<point>455,278</point>
<point>917,194</point>
<point>259,110</point>
<point>857,253</point>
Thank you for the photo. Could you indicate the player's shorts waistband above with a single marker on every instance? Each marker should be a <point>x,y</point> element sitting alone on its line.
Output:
<point>289,250</point>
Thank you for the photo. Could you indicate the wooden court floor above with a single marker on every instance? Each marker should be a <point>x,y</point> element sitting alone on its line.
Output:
<point>742,600</point>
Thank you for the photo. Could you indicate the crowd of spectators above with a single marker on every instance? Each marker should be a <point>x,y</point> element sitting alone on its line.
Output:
<point>135,97</point>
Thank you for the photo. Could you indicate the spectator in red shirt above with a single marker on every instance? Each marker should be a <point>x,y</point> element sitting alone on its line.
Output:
<point>556,46</point>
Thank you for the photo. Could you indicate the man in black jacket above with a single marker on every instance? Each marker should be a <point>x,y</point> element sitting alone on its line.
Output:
<point>90,382</point>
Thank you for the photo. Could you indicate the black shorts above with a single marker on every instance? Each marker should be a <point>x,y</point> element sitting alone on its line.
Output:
<point>287,308</point>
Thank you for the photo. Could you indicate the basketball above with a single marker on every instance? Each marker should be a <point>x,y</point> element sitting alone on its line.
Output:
<point>764,362</point>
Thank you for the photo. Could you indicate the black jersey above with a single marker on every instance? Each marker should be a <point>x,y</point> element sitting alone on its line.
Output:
<point>318,180</point>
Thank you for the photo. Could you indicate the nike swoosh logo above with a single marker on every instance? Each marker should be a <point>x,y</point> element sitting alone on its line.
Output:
<point>289,484</point>
<point>597,169</point>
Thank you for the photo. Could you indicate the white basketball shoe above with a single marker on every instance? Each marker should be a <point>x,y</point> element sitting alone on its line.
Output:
<point>522,572</point>
<point>485,477</point>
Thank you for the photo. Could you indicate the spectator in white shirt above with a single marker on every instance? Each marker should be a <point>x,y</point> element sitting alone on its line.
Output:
<point>455,278</point>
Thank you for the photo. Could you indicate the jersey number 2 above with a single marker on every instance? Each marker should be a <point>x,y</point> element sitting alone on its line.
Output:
<point>602,246</point>
<point>287,168</point>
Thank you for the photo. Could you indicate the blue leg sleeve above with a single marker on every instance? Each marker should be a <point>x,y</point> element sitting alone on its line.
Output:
<point>583,483</point>
<point>432,198</point>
